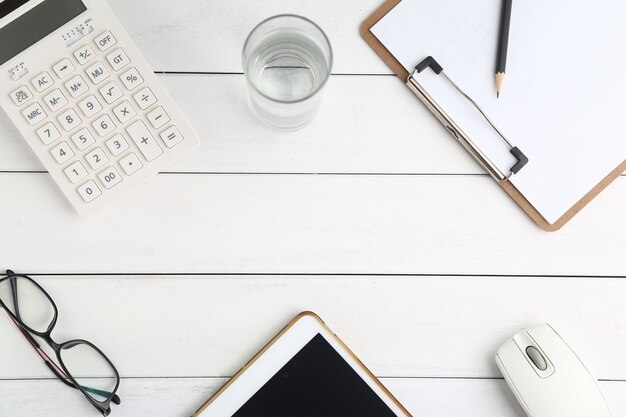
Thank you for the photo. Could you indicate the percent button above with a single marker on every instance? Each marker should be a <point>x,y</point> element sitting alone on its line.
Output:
<point>131,79</point>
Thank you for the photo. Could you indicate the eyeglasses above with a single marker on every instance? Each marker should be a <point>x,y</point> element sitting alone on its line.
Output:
<point>81,365</point>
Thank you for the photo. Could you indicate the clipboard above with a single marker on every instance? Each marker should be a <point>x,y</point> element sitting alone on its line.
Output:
<point>507,186</point>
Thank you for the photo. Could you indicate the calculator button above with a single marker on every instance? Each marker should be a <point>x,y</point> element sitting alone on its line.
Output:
<point>76,172</point>
<point>69,120</point>
<point>131,79</point>
<point>77,86</point>
<point>64,68</point>
<point>105,41</point>
<point>145,98</point>
<point>96,158</point>
<point>158,118</point>
<point>111,92</point>
<point>90,106</point>
<point>171,137</point>
<point>124,112</point>
<point>84,54</point>
<point>21,95</point>
<point>117,145</point>
<point>48,133</point>
<point>34,114</point>
<point>118,59</point>
<point>89,191</point>
<point>62,153</point>
<point>42,82</point>
<point>97,73</point>
<point>131,164</point>
<point>83,139</point>
<point>55,100</point>
<point>110,178</point>
<point>104,125</point>
<point>145,141</point>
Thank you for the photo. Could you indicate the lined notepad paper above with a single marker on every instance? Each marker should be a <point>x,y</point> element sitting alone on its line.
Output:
<point>563,99</point>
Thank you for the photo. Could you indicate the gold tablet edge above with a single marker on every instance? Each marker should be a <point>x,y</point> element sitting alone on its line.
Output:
<point>276,338</point>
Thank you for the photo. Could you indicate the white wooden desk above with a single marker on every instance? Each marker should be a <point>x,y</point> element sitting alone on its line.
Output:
<point>373,217</point>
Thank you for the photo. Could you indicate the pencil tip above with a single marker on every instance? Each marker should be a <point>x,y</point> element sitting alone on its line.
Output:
<point>499,82</point>
<point>498,94</point>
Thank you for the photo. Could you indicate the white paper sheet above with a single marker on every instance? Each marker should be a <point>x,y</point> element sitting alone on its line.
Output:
<point>563,98</point>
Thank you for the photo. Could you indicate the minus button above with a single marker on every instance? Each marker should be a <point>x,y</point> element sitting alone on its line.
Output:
<point>158,117</point>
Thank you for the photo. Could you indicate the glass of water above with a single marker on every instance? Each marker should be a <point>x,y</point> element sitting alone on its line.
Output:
<point>287,60</point>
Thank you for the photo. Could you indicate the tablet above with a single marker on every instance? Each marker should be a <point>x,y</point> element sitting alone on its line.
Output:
<point>305,371</point>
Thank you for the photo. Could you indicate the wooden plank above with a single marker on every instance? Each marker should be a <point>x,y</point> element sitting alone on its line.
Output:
<point>306,224</point>
<point>181,397</point>
<point>197,326</point>
<point>197,35</point>
<point>366,125</point>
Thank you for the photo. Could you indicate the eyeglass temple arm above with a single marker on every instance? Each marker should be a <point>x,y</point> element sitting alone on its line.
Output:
<point>46,360</point>
<point>61,376</point>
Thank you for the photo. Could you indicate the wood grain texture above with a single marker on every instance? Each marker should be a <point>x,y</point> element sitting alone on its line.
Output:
<point>455,222</point>
<point>307,224</point>
<point>200,326</point>
<point>180,397</point>
<point>197,35</point>
<point>366,125</point>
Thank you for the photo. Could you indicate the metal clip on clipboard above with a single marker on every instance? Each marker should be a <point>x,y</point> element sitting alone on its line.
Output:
<point>456,131</point>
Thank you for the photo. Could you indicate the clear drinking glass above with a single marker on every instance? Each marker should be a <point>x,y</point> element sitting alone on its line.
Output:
<point>287,61</point>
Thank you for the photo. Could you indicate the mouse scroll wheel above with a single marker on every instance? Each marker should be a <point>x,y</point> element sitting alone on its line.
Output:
<point>537,358</point>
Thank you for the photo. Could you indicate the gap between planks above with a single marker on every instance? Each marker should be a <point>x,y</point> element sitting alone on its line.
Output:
<point>417,378</point>
<point>304,275</point>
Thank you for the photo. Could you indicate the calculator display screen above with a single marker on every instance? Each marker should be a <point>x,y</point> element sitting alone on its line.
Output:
<point>9,6</point>
<point>34,25</point>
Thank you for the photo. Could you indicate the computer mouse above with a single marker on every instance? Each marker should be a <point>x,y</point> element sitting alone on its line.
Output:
<point>547,377</point>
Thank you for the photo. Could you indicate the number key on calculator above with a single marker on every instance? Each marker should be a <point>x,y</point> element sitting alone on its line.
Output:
<point>85,100</point>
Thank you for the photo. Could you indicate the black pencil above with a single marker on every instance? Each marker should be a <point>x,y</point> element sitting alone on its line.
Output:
<point>503,44</point>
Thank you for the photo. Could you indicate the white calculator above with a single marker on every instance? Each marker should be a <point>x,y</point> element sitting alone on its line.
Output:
<point>85,99</point>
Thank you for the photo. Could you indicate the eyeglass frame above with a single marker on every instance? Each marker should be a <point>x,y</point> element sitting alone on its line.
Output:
<point>102,406</point>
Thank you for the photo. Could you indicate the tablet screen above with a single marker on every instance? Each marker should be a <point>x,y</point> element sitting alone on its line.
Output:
<point>316,382</point>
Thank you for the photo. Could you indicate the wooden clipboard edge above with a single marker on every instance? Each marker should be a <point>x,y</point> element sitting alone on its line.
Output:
<point>576,208</point>
<point>377,45</point>
<point>509,188</point>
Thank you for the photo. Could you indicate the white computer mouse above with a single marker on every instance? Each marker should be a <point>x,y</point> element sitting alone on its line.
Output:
<point>547,377</point>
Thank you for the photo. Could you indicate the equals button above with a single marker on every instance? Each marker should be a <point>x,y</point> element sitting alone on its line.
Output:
<point>171,137</point>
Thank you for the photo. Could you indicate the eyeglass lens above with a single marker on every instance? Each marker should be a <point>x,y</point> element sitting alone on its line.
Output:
<point>90,369</point>
<point>27,302</point>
